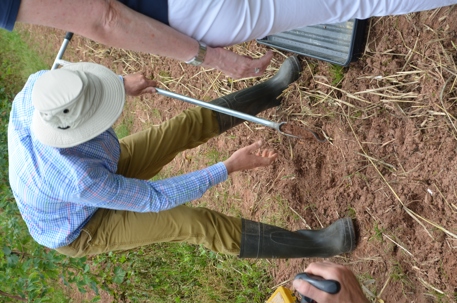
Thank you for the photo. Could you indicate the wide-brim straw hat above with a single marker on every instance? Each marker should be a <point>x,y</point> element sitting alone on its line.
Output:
<point>76,103</point>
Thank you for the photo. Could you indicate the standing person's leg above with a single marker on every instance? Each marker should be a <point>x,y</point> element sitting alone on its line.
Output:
<point>229,22</point>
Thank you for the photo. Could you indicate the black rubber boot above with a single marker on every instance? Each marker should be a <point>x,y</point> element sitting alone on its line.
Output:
<point>260,240</point>
<point>253,100</point>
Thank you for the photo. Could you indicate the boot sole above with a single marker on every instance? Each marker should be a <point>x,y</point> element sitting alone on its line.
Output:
<point>295,68</point>
<point>288,72</point>
<point>350,239</point>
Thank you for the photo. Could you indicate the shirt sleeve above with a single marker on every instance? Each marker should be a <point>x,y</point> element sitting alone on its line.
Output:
<point>107,190</point>
<point>9,10</point>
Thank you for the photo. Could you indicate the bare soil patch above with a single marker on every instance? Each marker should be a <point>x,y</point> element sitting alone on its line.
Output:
<point>389,161</point>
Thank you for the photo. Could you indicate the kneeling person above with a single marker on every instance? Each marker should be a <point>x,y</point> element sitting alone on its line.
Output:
<point>82,191</point>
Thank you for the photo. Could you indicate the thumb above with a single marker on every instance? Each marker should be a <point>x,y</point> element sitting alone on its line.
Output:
<point>149,89</point>
<point>266,58</point>
<point>254,146</point>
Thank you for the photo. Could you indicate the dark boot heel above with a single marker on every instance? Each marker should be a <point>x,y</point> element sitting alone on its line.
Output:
<point>338,238</point>
<point>288,72</point>
<point>260,240</point>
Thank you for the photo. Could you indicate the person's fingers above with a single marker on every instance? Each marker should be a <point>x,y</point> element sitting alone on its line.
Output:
<point>268,153</point>
<point>257,67</point>
<point>307,290</point>
<point>146,85</point>
<point>254,146</point>
<point>327,270</point>
<point>273,156</point>
<point>260,157</point>
<point>250,157</point>
<point>267,157</point>
<point>146,82</point>
<point>263,152</point>
<point>138,84</point>
<point>248,67</point>
<point>318,269</point>
<point>261,162</point>
<point>301,286</point>
<point>266,59</point>
<point>150,86</point>
<point>148,90</point>
<point>351,290</point>
<point>235,65</point>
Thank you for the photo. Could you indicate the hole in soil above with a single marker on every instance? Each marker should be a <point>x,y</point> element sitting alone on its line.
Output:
<point>295,129</point>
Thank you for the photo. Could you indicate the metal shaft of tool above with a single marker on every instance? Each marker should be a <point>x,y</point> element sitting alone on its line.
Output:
<point>63,47</point>
<point>221,109</point>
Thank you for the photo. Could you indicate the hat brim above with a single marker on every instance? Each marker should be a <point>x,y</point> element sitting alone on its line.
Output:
<point>109,109</point>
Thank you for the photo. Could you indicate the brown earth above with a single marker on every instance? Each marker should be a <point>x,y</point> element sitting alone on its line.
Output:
<point>389,160</point>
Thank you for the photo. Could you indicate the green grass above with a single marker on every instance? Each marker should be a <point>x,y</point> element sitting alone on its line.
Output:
<point>123,129</point>
<point>18,62</point>
<point>337,73</point>
<point>351,213</point>
<point>27,270</point>
<point>173,272</point>
<point>213,156</point>
<point>377,233</point>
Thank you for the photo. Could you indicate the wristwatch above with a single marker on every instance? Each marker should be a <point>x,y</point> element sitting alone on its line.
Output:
<point>200,57</point>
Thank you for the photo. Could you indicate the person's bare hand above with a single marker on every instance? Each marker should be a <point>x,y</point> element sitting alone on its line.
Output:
<point>236,66</point>
<point>350,292</point>
<point>250,157</point>
<point>138,84</point>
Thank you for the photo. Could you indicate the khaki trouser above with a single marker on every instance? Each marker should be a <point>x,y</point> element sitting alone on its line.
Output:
<point>143,155</point>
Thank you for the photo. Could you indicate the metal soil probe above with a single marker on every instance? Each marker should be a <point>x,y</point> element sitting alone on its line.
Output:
<point>227,111</point>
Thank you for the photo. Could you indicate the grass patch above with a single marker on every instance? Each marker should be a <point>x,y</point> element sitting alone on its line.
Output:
<point>377,233</point>
<point>123,129</point>
<point>350,212</point>
<point>337,73</point>
<point>28,271</point>
<point>213,156</point>
<point>175,272</point>
<point>17,62</point>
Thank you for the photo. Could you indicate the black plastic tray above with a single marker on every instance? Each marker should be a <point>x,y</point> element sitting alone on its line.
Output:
<point>339,43</point>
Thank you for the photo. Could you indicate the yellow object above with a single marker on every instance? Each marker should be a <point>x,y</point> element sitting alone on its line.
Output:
<point>282,295</point>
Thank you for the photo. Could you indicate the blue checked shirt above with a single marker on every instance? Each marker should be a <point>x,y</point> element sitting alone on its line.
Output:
<point>58,190</point>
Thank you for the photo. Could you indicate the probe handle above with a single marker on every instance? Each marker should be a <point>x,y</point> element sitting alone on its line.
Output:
<point>68,36</point>
<point>329,286</point>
